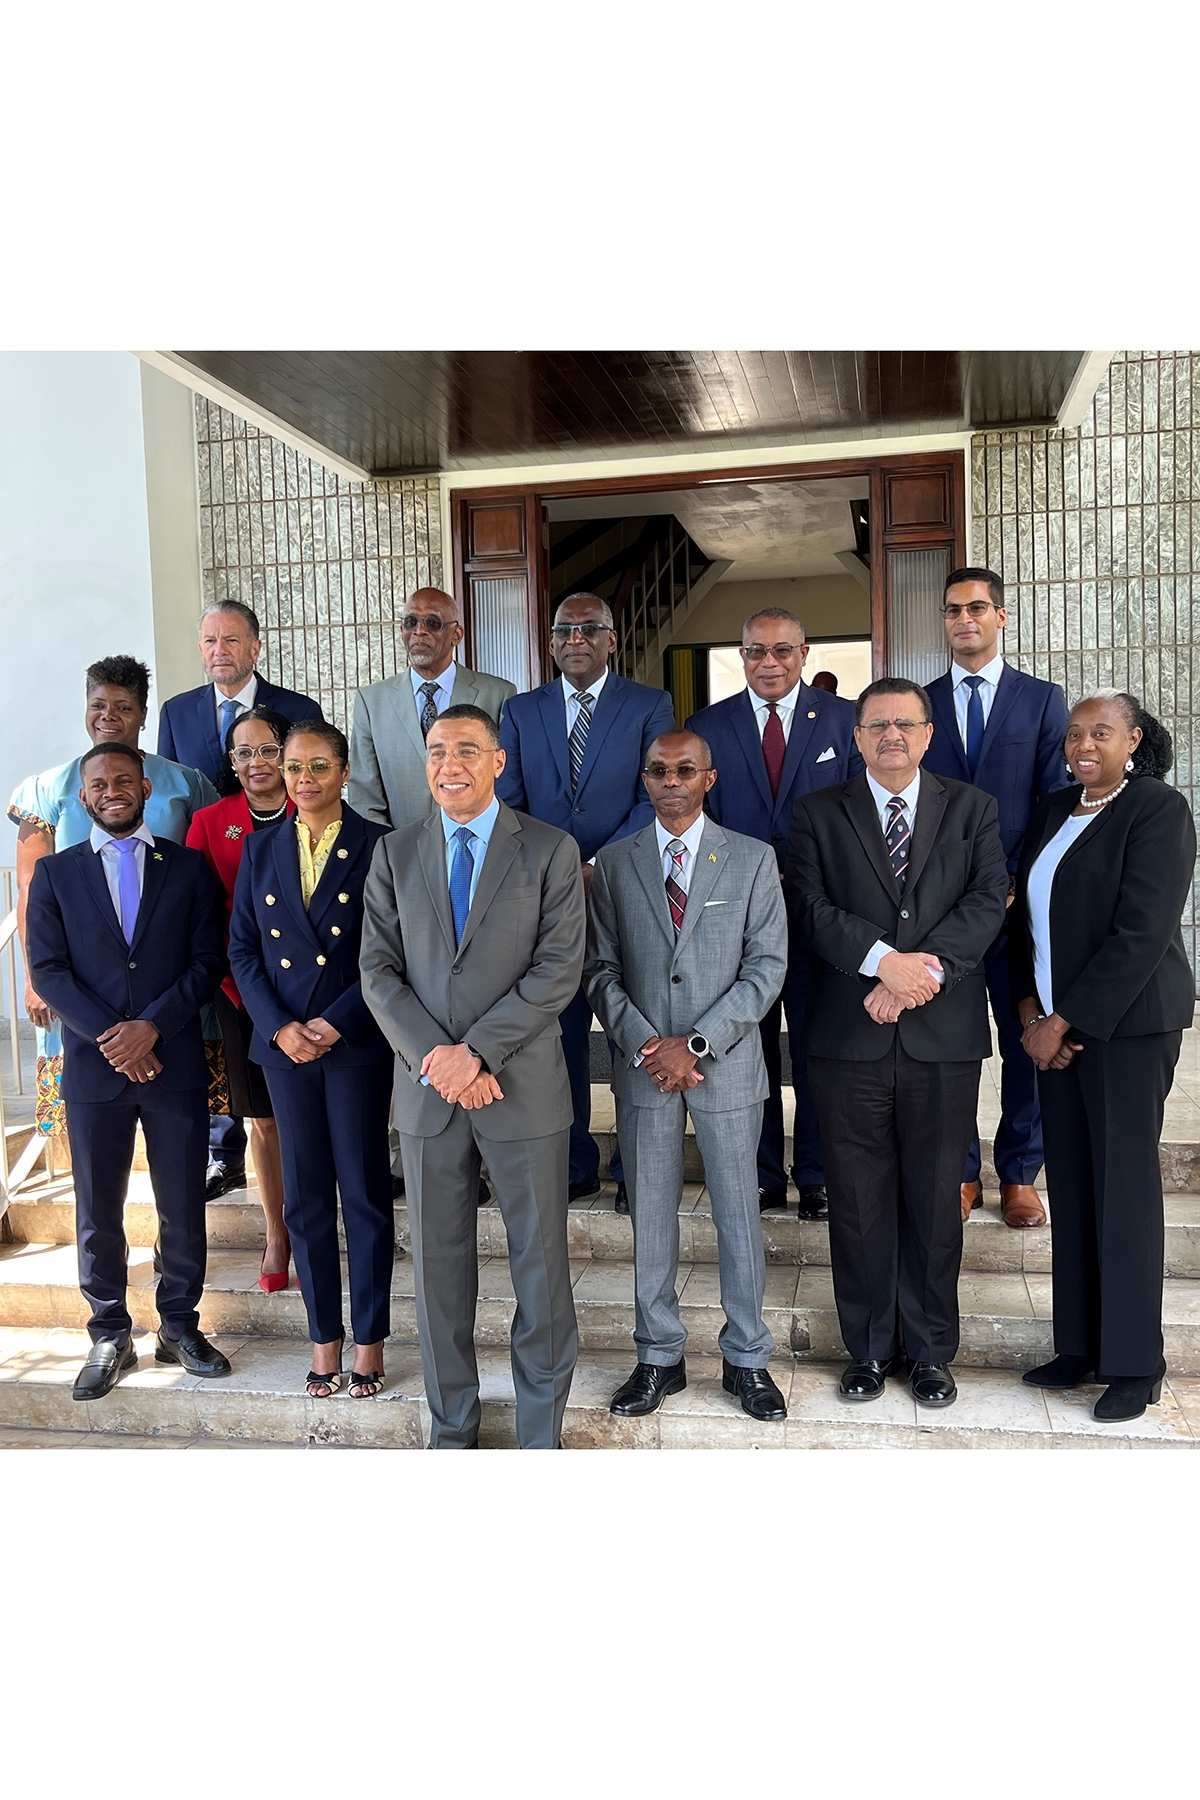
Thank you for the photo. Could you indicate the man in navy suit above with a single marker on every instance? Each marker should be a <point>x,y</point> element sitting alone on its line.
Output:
<point>192,729</point>
<point>575,752</point>
<point>774,742</point>
<point>1003,731</point>
<point>125,938</point>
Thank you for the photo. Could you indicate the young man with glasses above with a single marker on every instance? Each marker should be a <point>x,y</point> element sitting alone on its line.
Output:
<point>392,717</point>
<point>1003,731</point>
<point>896,882</point>
<point>575,752</point>
<point>776,741</point>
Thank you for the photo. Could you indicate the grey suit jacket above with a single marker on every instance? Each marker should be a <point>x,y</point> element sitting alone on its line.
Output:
<point>719,977</point>
<point>387,751</point>
<point>516,969</point>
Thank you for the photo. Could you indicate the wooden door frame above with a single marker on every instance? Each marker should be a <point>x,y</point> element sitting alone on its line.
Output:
<point>884,534</point>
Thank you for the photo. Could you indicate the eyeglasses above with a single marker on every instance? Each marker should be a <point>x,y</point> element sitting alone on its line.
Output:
<point>659,771</point>
<point>590,630</point>
<point>245,753</point>
<point>465,753</point>
<point>430,621</point>
<point>320,765</point>
<point>877,726</point>
<point>974,609</point>
<point>755,653</point>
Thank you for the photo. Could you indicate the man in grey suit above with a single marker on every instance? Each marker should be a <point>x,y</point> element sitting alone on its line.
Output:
<point>687,950</point>
<point>392,717</point>
<point>472,945</point>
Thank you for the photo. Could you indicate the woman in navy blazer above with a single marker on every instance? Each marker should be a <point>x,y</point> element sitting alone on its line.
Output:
<point>293,949</point>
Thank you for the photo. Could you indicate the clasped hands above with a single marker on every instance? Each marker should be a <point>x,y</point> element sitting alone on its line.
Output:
<point>906,980</point>
<point>459,1077</point>
<point>307,1043</point>
<point>129,1047</point>
<point>1046,1041</point>
<point>670,1065</point>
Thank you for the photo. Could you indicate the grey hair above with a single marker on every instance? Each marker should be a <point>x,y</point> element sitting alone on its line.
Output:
<point>233,606</point>
<point>595,599</point>
<point>779,613</point>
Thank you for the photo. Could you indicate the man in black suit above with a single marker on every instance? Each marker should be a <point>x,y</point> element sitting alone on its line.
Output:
<point>125,938</point>
<point>192,729</point>
<point>897,883</point>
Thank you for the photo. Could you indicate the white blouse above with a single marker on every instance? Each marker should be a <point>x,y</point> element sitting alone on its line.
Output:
<point>1037,895</point>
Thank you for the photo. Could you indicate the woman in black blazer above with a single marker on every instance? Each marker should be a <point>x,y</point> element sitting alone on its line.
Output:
<point>1104,991</point>
<point>293,947</point>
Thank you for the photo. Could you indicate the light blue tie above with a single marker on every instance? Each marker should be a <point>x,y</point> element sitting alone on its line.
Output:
<point>974,721</point>
<point>127,884</point>
<point>229,712</point>
<point>461,870</point>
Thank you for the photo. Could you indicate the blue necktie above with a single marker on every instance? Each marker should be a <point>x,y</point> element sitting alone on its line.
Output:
<point>461,870</point>
<point>229,712</point>
<point>974,721</point>
<point>127,884</point>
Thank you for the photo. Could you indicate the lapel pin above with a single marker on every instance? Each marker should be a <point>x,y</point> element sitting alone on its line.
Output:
<point>158,856</point>
<point>234,831</point>
<point>712,857</point>
<point>812,715</point>
<point>343,853</point>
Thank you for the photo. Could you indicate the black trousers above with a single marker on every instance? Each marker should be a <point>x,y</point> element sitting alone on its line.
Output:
<point>1101,1119</point>
<point>807,1169</point>
<point>896,1134</point>
<point>101,1134</point>
<point>333,1139</point>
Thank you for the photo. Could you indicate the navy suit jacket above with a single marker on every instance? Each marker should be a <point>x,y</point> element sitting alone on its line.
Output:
<point>82,967</point>
<point>1021,762</point>
<point>187,724</point>
<point>292,964</point>
<point>741,796</point>
<point>610,802</point>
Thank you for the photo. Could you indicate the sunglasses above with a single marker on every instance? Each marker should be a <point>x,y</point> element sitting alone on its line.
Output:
<point>320,765</point>
<point>430,621</point>
<point>589,631</point>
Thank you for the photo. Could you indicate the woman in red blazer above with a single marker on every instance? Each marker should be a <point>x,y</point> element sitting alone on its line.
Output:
<point>254,753</point>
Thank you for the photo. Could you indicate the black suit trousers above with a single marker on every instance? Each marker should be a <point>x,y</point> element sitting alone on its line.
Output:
<point>101,1132</point>
<point>895,1133</point>
<point>1101,1119</point>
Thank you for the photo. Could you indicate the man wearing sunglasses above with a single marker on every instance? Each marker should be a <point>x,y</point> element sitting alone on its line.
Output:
<point>575,752</point>
<point>1003,731</point>
<point>774,742</point>
<point>392,718</point>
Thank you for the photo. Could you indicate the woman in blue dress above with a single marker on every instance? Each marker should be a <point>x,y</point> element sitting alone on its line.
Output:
<point>49,816</point>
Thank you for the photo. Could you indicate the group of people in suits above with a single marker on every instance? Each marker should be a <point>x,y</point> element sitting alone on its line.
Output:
<point>421,924</point>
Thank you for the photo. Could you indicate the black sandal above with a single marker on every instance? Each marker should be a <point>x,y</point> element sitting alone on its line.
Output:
<point>369,1381</point>
<point>332,1381</point>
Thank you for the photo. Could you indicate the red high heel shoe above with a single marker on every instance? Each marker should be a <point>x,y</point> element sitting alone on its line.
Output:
<point>271,1284</point>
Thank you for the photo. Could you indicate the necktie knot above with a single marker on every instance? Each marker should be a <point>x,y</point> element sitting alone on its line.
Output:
<point>973,681</point>
<point>126,846</point>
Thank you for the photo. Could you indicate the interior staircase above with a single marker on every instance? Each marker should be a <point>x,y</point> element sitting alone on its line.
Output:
<point>1004,1293</point>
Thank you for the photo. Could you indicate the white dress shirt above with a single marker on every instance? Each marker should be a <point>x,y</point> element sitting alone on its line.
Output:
<point>991,673</point>
<point>244,700</point>
<point>691,839</point>
<point>785,706</point>
<point>883,798</point>
<point>1037,899</point>
<point>103,844</point>
<point>573,695</point>
<point>445,688</point>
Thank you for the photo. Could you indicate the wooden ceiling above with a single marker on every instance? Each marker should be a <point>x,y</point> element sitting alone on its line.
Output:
<point>408,412</point>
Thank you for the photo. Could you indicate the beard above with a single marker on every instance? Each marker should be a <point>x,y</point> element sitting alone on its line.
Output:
<point>122,830</point>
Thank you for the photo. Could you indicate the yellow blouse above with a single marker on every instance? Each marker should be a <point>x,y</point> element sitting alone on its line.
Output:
<point>312,862</point>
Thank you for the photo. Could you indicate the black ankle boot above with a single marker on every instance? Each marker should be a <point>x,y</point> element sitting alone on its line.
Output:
<point>1063,1372</point>
<point>1129,1397</point>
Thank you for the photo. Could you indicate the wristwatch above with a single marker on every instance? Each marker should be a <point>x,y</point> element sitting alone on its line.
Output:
<point>483,1068</point>
<point>698,1045</point>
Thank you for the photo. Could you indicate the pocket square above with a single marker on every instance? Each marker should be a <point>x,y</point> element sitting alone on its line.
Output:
<point>716,903</point>
<point>826,755</point>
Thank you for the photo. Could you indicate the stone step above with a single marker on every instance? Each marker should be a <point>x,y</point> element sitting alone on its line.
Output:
<point>595,1229</point>
<point>1005,1316</point>
<point>263,1404</point>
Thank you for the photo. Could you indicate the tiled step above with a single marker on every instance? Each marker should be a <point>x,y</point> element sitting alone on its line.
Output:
<point>1005,1316</point>
<point>594,1229</point>
<point>262,1404</point>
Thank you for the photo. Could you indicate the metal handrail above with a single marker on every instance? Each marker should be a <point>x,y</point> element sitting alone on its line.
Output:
<point>12,1179</point>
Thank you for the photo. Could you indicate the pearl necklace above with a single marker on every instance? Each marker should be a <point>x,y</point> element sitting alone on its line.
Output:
<point>261,818</point>
<point>1107,800</point>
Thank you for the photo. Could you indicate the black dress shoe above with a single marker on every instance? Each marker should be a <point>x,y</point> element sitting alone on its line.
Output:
<point>1129,1397</point>
<point>932,1384</point>
<point>485,1193</point>
<point>1063,1372</point>
<point>814,1201</point>
<point>621,1203</point>
<point>106,1362</point>
<point>193,1352</point>
<point>866,1380</point>
<point>397,1186</point>
<point>647,1388</point>
<point>584,1190</point>
<point>756,1391</point>
<point>768,1198</point>
<point>222,1181</point>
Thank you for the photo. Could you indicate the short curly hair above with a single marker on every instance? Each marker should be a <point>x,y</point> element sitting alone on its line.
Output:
<point>1155,755</point>
<point>121,671</point>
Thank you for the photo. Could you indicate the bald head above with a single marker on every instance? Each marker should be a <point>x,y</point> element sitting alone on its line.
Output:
<point>431,631</point>
<point>677,776</point>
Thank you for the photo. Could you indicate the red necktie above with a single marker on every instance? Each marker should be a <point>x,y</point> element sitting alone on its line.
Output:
<point>676,897</point>
<point>774,747</point>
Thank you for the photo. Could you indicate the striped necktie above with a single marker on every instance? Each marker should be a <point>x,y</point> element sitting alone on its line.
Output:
<point>897,838</point>
<point>577,742</point>
<point>676,897</point>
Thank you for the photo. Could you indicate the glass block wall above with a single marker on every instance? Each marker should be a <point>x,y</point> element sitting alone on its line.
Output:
<point>325,563</point>
<point>1096,533</point>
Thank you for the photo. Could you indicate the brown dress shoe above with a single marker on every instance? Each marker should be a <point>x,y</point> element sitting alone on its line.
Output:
<point>972,1196</point>
<point>1020,1206</point>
